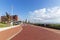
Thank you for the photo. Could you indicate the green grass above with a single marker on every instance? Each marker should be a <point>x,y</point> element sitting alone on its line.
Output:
<point>3,25</point>
<point>54,26</point>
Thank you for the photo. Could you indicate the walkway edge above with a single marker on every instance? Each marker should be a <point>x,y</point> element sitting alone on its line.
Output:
<point>15,34</point>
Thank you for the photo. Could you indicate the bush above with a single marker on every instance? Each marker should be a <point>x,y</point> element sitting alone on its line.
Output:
<point>54,26</point>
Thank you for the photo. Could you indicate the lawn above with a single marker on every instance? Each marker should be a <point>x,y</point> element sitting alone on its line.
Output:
<point>3,25</point>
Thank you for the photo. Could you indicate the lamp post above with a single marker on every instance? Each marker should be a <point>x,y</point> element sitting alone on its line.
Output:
<point>12,16</point>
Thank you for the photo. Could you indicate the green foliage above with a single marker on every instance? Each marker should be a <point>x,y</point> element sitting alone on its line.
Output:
<point>54,26</point>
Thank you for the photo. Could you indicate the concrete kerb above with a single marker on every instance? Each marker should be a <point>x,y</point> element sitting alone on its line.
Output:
<point>6,28</point>
<point>15,34</point>
<point>12,27</point>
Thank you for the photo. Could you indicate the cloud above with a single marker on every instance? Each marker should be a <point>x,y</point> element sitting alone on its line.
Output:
<point>46,15</point>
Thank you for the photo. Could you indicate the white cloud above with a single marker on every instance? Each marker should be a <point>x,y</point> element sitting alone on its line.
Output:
<point>46,15</point>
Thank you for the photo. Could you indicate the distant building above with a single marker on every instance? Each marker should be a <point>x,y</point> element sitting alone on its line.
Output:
<point>13,18</point>
<point>0,19</point>
<point>3,19</point>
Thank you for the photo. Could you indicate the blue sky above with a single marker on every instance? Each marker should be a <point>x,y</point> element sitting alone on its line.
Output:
<point>23,7</point>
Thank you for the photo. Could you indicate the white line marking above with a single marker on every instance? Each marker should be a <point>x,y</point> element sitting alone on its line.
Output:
<point>16,33</point>
<point>6,28</point>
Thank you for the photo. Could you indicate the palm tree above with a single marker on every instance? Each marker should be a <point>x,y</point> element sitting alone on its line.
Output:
<point>8,19</point>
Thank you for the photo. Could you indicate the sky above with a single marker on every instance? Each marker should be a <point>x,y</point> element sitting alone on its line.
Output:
<point>37,11</point>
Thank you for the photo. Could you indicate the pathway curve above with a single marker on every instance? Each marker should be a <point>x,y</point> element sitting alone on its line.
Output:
<point>31,32</point>
<point>8,33</point>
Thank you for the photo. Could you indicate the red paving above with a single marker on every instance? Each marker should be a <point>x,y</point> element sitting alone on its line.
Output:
<point>30,32</point>
<point>7,34</point>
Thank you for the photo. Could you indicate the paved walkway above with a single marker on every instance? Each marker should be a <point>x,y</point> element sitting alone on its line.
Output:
<point>31,32</point>
<point>50,29</point>
<point>8,33</point>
